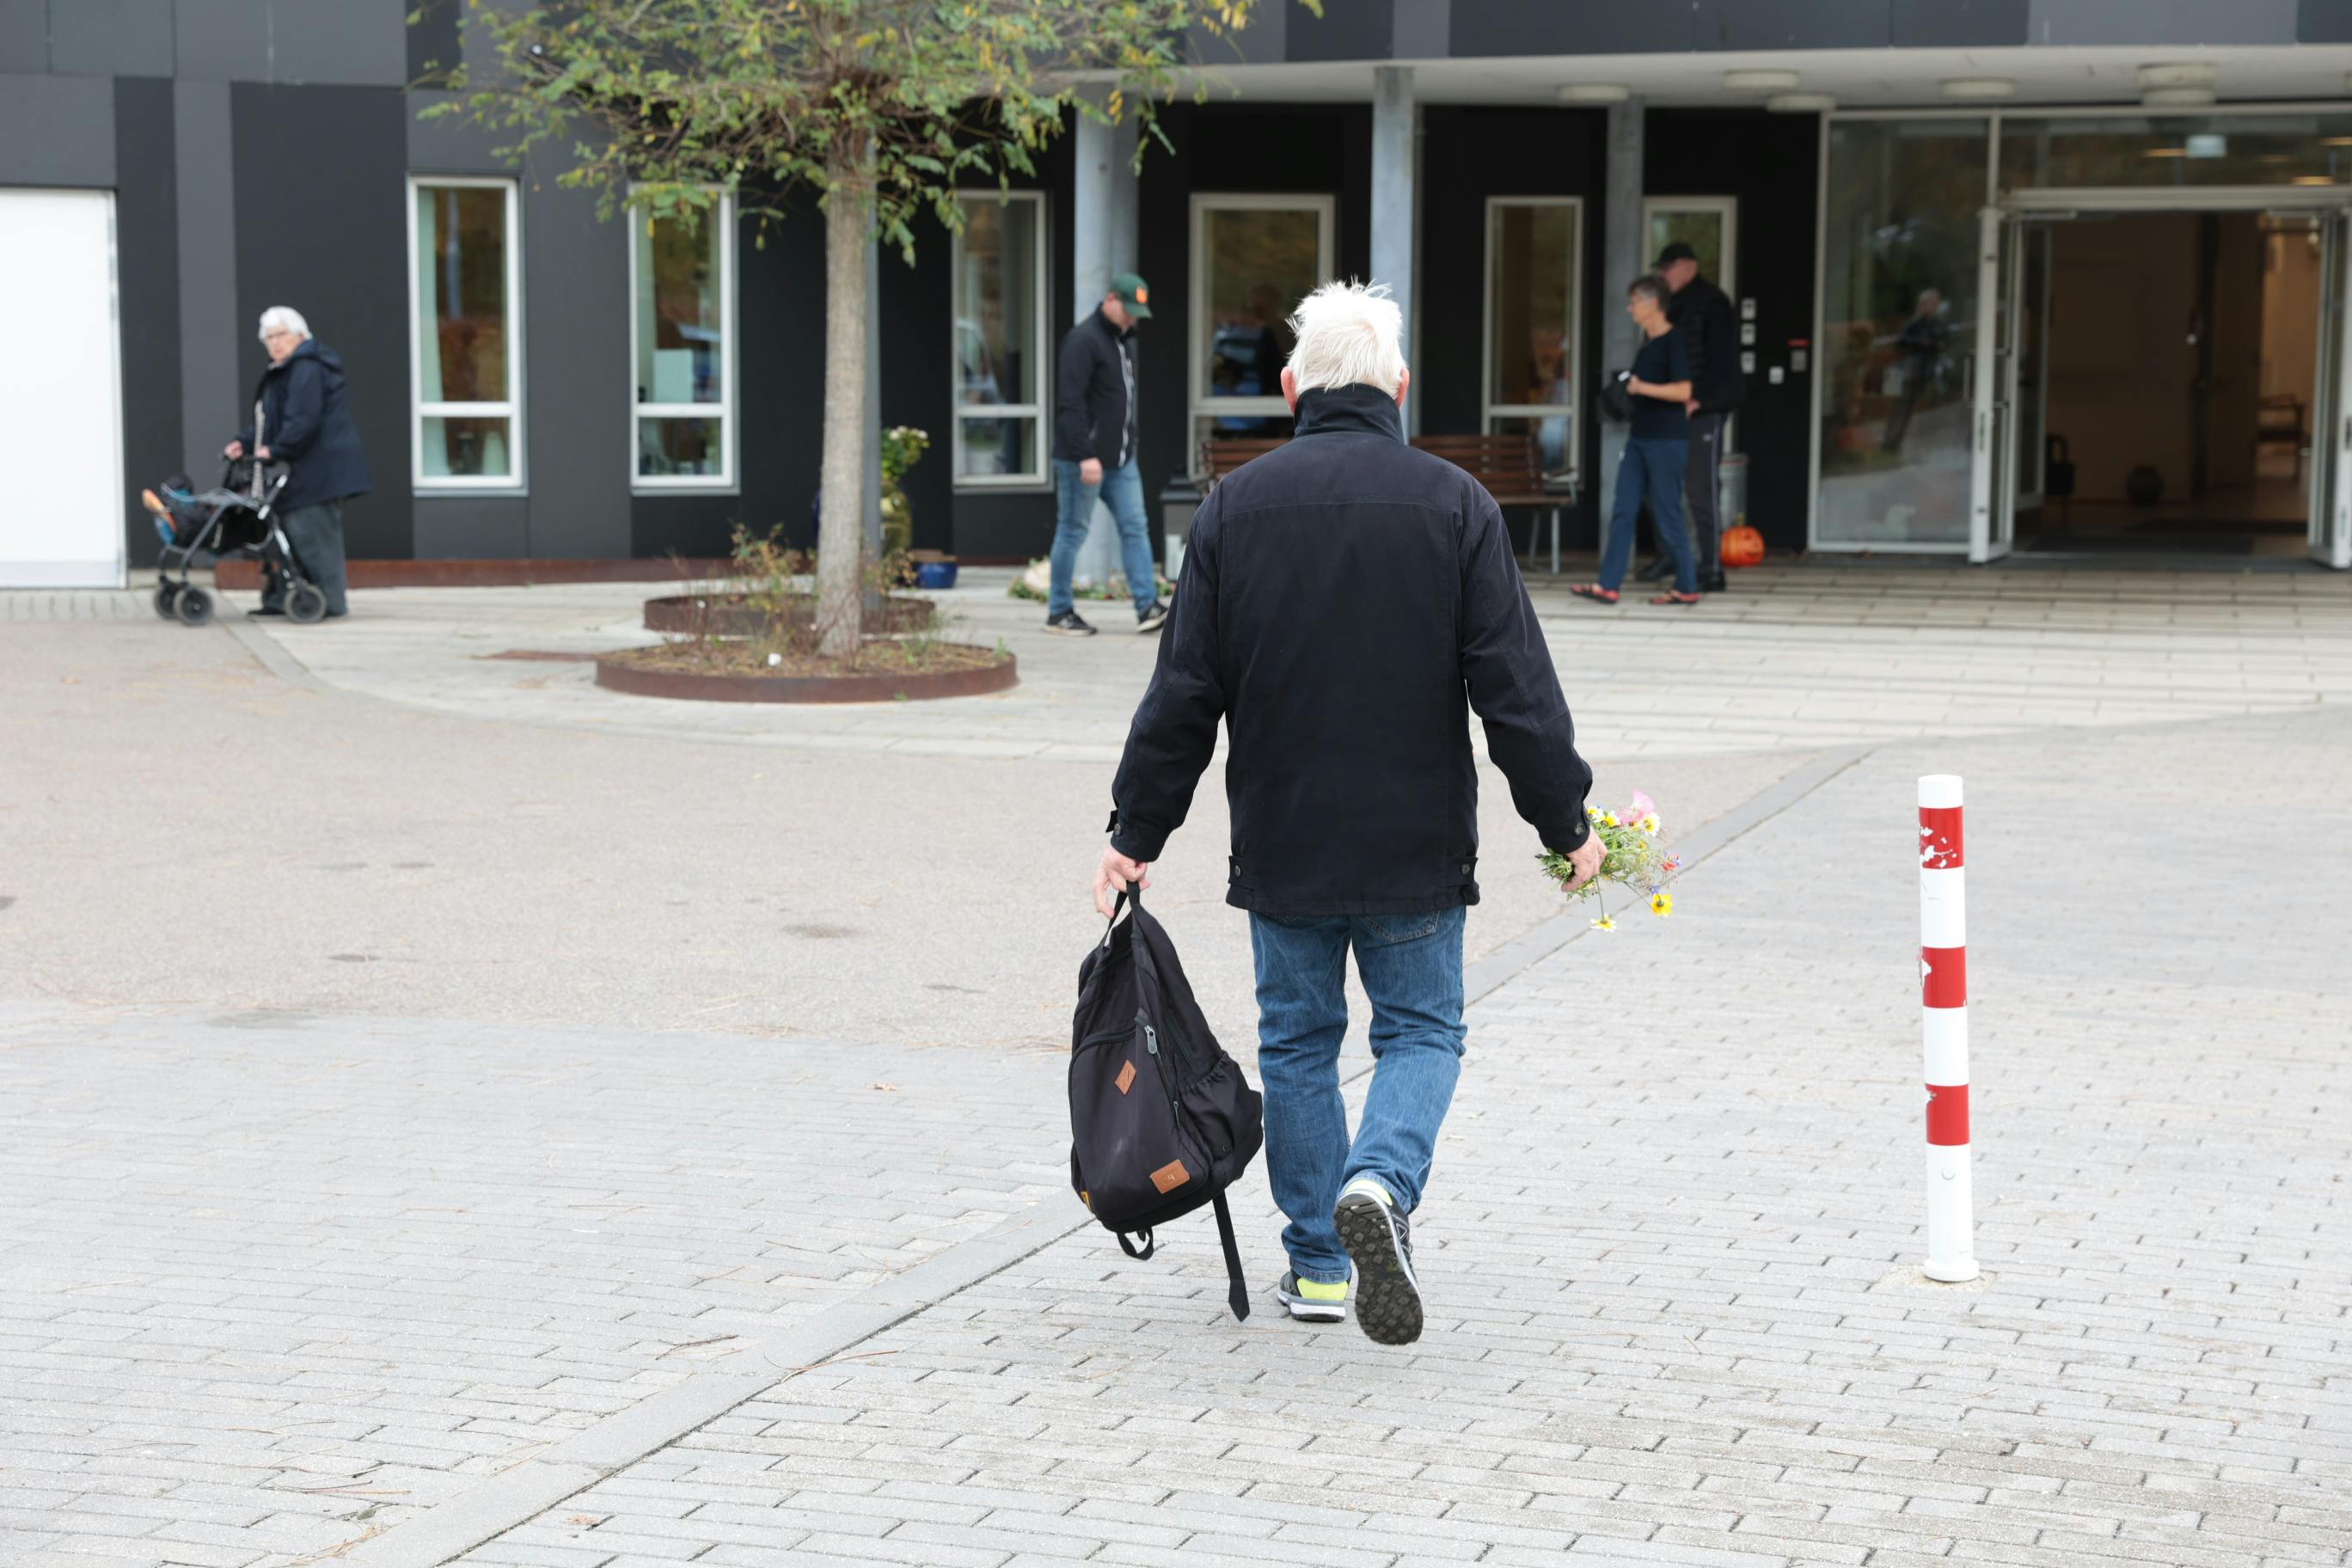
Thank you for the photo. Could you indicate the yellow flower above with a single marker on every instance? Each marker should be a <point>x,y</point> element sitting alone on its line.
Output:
<point>1593,811</point>
<point>1611,820</point>
<point>1604,923</point>
<point>1650,824</point>
<point>1662,904</point>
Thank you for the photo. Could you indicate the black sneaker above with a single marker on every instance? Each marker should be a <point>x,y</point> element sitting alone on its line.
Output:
<point>1380,1240</point>
<point>1657,571</point>
<point>1153,619</point>
<point>1711,583</point>
<point>1070,624</point>
<point>1328,1305</point>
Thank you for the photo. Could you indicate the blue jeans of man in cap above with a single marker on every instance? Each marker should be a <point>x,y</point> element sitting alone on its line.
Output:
<point>1411,969</point>
<point>1122,490</point>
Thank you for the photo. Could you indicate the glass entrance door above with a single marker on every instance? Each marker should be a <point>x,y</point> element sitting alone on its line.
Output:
<point>2331,403</point>
<point>1992,451</point>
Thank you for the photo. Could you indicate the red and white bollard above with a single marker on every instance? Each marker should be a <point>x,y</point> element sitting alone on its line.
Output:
<point>1943,1029</point>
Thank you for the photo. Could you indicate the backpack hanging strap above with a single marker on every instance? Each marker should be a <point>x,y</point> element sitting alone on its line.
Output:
<point>1236,1291</point>
<point>1144,1235</point>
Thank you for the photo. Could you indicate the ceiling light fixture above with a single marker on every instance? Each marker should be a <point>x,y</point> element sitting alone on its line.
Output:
<point>2181,73</point>
<point>1980,89</point>
<point>1762,80</point>
<point>2178,98</point>
<point>1594,93</point>
<point>1800,103</point>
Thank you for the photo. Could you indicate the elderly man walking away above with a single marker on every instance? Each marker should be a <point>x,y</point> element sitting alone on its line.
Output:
<point>1345,601</point>
<point>1094,454</point>
<point>306,422</point>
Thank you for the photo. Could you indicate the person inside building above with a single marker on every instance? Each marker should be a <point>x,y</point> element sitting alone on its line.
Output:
<point>1702,314</point>
<point>1657,450</point>
<point>305,421</point>
<point>1094,455</point>
<point>1920,347</point>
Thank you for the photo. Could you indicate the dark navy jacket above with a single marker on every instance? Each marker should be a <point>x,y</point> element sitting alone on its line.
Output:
<point>1346,601</point>
<point>308,423</point>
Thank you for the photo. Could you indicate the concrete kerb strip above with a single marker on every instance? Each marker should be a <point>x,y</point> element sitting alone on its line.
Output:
<point>532,1485</point>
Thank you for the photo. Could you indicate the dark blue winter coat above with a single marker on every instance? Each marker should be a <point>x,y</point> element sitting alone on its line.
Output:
<point>307,422</point>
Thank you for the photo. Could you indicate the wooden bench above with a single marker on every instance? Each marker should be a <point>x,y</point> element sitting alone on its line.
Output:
<point>1510,467</point>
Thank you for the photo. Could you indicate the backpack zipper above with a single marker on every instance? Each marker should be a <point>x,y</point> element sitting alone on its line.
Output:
<point>1168,1084</point>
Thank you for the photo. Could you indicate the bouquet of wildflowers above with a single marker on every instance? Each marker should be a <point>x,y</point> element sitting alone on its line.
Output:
<point>1637,859</point>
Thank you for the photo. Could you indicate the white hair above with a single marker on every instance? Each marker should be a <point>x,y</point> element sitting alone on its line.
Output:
<point>285,316</point>
<point>1348,334</point>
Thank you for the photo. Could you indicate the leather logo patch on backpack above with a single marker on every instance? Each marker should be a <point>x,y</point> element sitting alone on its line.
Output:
<point>1171,1176</point>
<point>1127,1078</point>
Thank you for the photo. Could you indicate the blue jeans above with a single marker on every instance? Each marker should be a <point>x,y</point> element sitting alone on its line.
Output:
<point>1652,470</point>
<point>1412,970</point>
<point>1122,490</point>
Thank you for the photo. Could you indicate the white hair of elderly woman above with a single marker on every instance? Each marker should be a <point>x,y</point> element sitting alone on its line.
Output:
<point>285,316</point>
<point>1348,334</point>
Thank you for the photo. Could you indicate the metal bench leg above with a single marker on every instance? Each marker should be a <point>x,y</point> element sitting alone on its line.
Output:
<point>1555,541</point>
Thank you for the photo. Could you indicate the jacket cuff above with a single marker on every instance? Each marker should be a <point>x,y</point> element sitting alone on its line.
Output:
<point>1570,840</point>
<point>1134,840</point>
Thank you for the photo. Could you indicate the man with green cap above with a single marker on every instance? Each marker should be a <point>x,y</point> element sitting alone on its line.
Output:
<point>1093,454</point>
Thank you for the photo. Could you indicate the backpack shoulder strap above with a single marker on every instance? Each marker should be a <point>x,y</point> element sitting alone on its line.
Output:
<point>1237,1290</point>
<point>1143,1235</point>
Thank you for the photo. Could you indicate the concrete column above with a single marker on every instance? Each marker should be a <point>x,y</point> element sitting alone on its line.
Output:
<point>1103,223</point>
<point>1395,204</point>
<point>1622,262</point>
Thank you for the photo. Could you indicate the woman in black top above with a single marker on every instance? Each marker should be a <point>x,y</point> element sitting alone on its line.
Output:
<point>1656,449</point>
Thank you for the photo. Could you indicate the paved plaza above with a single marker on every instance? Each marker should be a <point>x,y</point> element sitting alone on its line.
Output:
<point>451,1114</point>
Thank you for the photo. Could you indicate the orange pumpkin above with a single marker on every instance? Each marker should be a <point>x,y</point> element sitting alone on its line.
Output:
<point>1742,546</point>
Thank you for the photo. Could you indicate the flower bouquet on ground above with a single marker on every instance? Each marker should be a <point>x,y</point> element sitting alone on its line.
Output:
<point>1637,859</point>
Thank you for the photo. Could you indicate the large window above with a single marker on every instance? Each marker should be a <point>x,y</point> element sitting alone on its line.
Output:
<point>1254,259</point>
<point>464,276</point>
<point>1001,395</point>
<point>1535,248</point>
<point>682,279</point>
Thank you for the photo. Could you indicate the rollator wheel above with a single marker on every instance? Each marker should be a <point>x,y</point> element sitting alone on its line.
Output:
<point>306,602</point>
<point>167,596</point>
<point>195,606</point>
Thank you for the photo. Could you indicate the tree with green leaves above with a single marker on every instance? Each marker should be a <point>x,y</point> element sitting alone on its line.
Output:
<point>879,107</point>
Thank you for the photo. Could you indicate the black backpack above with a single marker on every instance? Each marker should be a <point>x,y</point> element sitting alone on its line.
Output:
<point>1161,1121</point>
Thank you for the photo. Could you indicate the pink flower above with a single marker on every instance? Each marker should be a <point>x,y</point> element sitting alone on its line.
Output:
<point>1641,806</point>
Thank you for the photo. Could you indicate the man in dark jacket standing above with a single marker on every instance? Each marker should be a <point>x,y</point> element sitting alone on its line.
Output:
<point>1346,601</point>
<point>306,422</point>
<point>1702,314</point>
<point>1094,454</point>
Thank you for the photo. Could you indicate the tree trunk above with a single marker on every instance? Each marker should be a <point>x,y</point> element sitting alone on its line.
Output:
<point>848,224</point>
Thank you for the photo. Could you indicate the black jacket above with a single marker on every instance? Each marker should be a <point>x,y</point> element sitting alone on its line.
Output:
<point>1345,601</point>
<point>1094,395</point>
<point>307,422</point>
<point>1702,314</point>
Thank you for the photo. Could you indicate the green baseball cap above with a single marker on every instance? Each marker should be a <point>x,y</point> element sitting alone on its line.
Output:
<point>1133,293</point>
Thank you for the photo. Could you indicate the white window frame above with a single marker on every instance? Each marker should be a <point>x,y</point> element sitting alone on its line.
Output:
<point>510,409</point>
<point>723,215</point>
<point>1574,407</point>
<point>1728,207</point>
<point>1203,407</point>
<point>1040,408</point>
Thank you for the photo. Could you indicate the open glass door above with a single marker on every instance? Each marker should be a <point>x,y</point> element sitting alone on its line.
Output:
<point>2331,403</point>
<point>1992,457</point>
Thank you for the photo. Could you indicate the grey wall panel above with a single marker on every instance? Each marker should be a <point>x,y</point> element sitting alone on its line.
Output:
<point>472,528</point>
<point>222,40</point>
<point>146,266</point>
<point>1552,27</point>
<point>24,37</point>
<point>206,201</point>
<point>2167,23</point>
<point>2324,21</point>
<point>1959,24</point>
<point>111,37</point>
<point>1793,24</point>
<point>326,232</point>
<point>434,40</point>
<point>1356,30</point>
<point>449,144</point>
<point>1421,29</point>
<point>57,131</point>
<point>576,376</point>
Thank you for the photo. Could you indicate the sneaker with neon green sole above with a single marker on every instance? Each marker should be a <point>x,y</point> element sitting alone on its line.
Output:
<point>1311,1301</point>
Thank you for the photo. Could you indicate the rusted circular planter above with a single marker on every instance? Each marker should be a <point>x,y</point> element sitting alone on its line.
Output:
<point>730,615</point>
<point>695,685</point>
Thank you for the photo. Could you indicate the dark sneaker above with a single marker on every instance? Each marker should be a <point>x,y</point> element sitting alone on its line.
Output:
<point>1311,1302</point>
<point>1153,619</point>
<point>1070,624</point>
<point>1657,571</point>
<point>1380,1240</point>
<point>1712,583</point>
